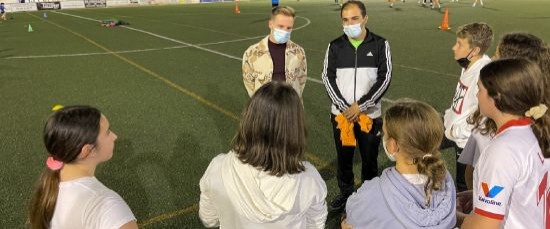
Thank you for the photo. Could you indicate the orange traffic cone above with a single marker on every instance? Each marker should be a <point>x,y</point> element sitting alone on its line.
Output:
<point>237,11</point>
<point>445,22</point>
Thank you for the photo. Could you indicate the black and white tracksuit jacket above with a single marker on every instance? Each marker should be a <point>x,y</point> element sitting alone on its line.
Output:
<point>361,75</point>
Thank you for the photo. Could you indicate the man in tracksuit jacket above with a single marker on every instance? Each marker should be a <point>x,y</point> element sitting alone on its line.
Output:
<point>356,74</point>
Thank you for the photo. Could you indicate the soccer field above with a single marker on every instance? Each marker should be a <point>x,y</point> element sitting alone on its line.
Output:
<point>171,85</point>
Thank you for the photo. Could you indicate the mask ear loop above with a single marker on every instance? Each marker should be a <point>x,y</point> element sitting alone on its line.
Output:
<point>468,56</point>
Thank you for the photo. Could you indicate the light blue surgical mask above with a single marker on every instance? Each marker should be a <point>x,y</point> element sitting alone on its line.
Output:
<point>281,36</point>
<point>353,31</point>
<point>388,154</point>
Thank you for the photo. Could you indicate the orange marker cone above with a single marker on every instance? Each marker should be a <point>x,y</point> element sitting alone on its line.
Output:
<point>237,11</point>
<point>445,22</point>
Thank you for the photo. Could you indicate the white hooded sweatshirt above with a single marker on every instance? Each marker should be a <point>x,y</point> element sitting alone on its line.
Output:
<point>238,195</point>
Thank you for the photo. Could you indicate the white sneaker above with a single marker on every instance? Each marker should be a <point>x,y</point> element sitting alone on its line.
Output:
<point>474,5</point>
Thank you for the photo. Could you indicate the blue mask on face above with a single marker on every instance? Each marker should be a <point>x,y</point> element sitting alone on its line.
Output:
<point>281,36</point>
<point>353,31</point>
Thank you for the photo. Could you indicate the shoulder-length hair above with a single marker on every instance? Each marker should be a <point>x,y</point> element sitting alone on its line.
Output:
<point>272,132</point>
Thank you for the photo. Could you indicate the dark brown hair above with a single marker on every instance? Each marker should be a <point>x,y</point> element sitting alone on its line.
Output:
<point>272,132</point>
<point>355,3</point>
<point>517,45</point>
<point>417,127</point>
<point>65,133</point>
<point>516,85</point>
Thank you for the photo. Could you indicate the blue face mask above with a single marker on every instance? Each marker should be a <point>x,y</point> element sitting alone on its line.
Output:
<point>353,31</point>
<point>281,36</point>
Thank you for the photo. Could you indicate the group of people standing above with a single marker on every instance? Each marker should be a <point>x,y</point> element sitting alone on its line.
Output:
<point>418,192</point>
<point>497,123</point>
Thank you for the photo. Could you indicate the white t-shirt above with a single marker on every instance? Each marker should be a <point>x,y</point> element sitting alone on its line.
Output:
<point>416,179</point>
<point>87,203</point>
<point>464,104</point>
<point>511,179</point>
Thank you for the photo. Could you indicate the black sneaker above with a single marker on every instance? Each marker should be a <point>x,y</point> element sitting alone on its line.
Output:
<point>339,203</point>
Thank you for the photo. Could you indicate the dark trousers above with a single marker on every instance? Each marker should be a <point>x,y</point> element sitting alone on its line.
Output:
<point>368,147</point>
<point>460,168</point>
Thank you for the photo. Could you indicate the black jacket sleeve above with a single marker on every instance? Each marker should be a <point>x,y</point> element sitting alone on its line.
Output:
<point>382,80</point>
<point>329,79</point>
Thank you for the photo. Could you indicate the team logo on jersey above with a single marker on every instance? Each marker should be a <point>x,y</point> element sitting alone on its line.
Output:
<point>489,194</point>
<point>495,190</point>
<point>369,54</point>
<point>458,99</point>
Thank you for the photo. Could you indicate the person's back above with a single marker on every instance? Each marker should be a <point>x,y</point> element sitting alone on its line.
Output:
<point>263,181</point>
<point>419,191</point>
<point>87,202</point>
<point>397,201</point>
<point>262,200</point>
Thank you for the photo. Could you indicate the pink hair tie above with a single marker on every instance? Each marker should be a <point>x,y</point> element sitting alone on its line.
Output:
<point>54,164</point>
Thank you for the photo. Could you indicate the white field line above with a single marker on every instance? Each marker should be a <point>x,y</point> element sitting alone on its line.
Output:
<point>199,47</point>
<point>95,53</point>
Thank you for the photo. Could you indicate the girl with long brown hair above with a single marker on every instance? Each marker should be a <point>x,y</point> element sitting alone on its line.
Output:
<point>510,188</point>
<point>264,182</point>
<point>67,194</point>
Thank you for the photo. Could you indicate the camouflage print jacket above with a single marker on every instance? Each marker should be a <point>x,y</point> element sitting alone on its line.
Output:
<point>258,66</point>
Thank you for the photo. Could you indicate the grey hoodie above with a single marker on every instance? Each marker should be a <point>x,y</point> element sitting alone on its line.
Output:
<point>391,201</point>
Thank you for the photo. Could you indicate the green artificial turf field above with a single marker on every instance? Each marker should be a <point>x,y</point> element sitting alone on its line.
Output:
<point>172,88</point>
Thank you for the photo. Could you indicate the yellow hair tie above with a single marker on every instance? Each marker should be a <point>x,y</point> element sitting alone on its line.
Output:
<point>57,107</point>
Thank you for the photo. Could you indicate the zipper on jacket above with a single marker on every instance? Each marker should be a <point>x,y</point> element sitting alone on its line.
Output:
<point>355,78</point>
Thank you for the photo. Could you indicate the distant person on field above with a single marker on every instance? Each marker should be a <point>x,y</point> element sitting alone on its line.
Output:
<point>475,2</point>
<point>68,195</point>
<point>263,181</point>
<point>276,57</point>
<point>2,11</point>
